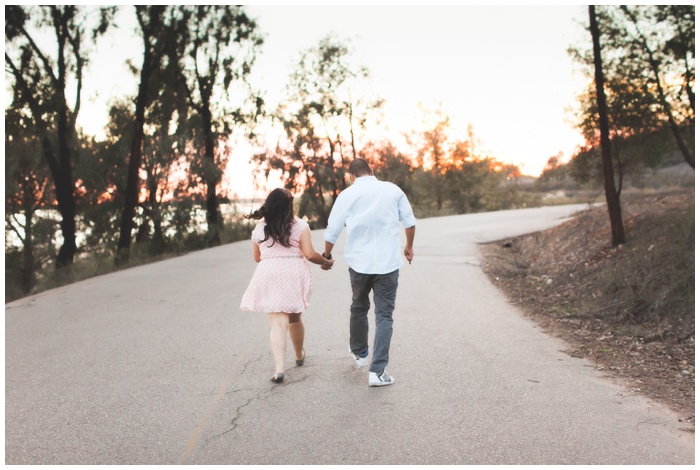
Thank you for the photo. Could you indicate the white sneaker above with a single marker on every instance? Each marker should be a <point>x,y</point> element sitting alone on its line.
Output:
<point>360,361</point>
<point>379,380</point>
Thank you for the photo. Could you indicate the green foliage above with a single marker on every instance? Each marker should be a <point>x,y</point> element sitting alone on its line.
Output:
<point>27,196</point>
<point>326,109</point>
<point>98,262</point>
<point>14,276</point>
<point>47,80</point>
<point>206,53</point>
<point>390,165</point>
<point>555,176</point>
<point>635,159</point>
<point>101,180</point>
<point>215,47</point>
<point>648,55</point>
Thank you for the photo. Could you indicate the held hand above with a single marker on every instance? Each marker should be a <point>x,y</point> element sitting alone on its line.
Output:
<point>408,253</point>
<point>328,259</point>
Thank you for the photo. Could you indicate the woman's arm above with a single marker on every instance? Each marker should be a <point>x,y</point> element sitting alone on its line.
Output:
<point>256,252</point>
<point>307,248</point>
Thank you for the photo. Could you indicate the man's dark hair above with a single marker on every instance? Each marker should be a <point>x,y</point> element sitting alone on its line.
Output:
<point>359,167</point>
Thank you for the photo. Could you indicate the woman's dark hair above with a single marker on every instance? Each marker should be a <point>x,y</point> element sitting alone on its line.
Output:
<point>278,211</point>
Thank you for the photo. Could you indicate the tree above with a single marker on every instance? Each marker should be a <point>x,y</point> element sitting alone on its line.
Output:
<point>326,108</point>
<point>433,153</point>
<point>26,191</point>
<point>161,160</point>
<point>637,140</point>
<point>42,83</point>
<point>681,45</point>
<point>455,173</point>
<point>100,172</point>
<point>611,196</point>
<point>389,164</point>
<point>152,25</point>
<point>216,47</point>
<point>648,54</point>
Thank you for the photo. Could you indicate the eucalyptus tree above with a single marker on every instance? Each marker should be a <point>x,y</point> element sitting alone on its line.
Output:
<point>164,163</point>
<point>669,53</point>
<point>103,179</point>
<point>216,47</point>
<point>637,142</point>
<point>328,105</point>
<point>648,56</point>
<point>611,196</point>
<point>390,164</point>
<point>27,190</point>
<point>154,31</point>
<point>474,180</point>
<point>47,81</point>
<point>433,152</point>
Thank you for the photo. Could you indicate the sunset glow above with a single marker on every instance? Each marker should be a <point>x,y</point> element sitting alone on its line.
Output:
<point>504,70</point>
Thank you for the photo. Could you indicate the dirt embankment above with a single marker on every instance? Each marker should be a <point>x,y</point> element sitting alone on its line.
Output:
<point>629,309</point>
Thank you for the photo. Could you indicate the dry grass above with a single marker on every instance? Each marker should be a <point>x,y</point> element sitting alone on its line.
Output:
<point>630,309</point>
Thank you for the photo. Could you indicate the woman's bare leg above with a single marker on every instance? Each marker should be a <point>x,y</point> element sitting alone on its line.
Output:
<point>279,324</point>
<point>296,334</point>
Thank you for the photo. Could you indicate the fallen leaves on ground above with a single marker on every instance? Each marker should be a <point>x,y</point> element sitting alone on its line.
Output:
<point>553,276</point>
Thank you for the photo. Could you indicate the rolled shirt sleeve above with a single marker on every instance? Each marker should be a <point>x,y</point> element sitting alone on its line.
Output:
<point>336,221</point>
<point>406,212</point>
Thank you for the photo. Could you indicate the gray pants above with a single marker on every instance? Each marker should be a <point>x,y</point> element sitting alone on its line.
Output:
<point>384,287</point>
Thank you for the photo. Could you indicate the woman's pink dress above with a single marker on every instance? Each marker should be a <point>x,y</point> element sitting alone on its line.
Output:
<point>282,279</point>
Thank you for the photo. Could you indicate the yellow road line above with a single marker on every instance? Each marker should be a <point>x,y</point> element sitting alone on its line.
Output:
<point>192,443</point>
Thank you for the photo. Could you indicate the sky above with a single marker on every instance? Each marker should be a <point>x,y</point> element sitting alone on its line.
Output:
<point>504,70</point>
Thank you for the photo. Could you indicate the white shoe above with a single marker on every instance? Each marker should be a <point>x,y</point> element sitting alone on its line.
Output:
<point>360,361</point>
<point>379,380</point>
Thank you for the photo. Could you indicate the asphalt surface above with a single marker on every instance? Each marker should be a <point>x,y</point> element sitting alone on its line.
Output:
<point>157,365</point>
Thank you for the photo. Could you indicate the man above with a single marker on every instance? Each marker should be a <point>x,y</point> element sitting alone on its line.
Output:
<point>371,210</point>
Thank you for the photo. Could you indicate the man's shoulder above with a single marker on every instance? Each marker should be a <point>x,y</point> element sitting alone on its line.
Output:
<point>374,182</point>
<point>390,187</point>
<point>371,185</point>
<point>387,183</point>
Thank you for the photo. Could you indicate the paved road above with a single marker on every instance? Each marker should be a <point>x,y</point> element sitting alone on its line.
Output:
<point>157,365</point>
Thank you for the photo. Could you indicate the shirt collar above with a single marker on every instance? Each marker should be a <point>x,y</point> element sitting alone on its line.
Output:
<point>367,178</point>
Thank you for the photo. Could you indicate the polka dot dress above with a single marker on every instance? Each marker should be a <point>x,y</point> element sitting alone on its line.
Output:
<point>282,279</point>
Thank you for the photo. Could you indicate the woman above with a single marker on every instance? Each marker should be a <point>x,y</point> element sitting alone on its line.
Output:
<point>281,284</point>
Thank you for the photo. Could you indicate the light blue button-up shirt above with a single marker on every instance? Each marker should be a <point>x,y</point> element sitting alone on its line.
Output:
<point>373,212</point>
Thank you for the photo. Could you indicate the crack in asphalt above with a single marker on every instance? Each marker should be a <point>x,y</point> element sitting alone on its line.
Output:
<point>262,395</point>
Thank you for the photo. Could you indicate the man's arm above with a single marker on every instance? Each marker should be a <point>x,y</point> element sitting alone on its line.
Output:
<point>327,253</point>
<point>336,223</point>
<point>327,250</point>
<point>408,250</point>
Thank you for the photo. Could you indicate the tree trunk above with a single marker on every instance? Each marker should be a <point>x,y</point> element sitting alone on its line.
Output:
<point>131,198</point>
<point>27,281</point>
<point>63,184</point>
<point>66,206</point>
<point>611,196</point>
<point>212,178</point>
<point>66,199</point>
<point>158,242</point>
